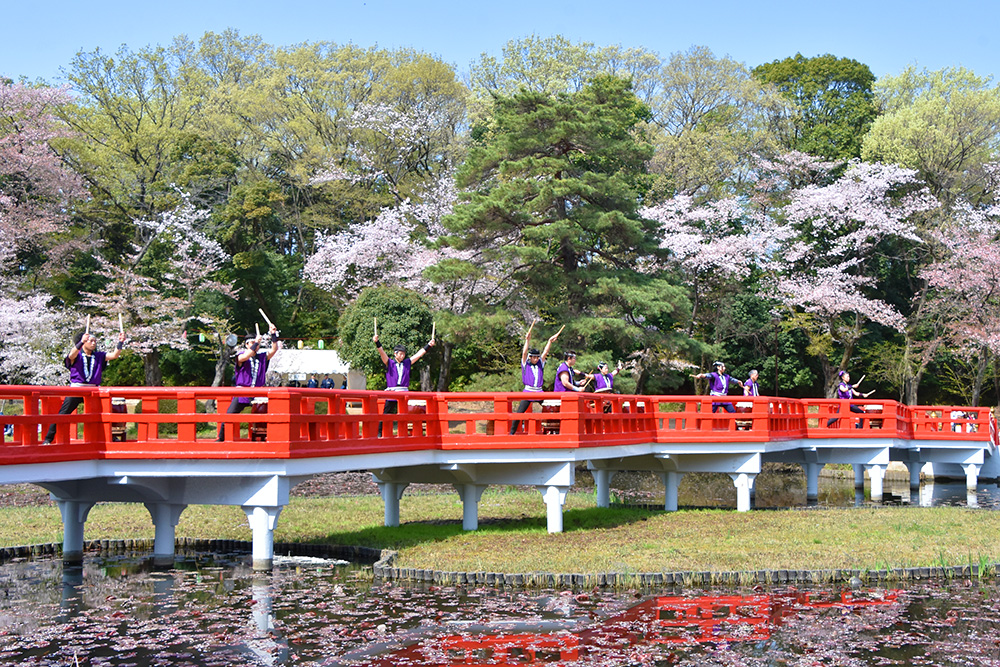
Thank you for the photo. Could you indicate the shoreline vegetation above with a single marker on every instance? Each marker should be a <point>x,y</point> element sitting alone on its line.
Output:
<point>628,538</point>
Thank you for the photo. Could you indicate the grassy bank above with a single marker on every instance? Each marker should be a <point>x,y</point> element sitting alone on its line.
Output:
<point>513,538</point>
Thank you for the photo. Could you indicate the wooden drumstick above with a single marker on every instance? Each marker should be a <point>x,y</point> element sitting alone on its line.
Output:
<point>87,331</point>
<point>433,329</point>
<point>257,329</point>
<point>121,327</point>
<point>376,324</point>
<point>264,315</point>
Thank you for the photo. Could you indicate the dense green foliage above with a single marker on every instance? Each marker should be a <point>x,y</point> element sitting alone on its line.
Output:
<point>341,153</point>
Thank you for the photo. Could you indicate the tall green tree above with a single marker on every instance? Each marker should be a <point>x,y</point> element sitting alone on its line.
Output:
<point>834,99</point>
<point>552,187</point>
<point>945,124</point>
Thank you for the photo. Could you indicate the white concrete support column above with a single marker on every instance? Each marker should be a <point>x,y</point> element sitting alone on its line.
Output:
<point>812,481</point>
<point>165,517</point>
<point>876,473</point>
<point>742,481</point>
<point>391,493</point>
<point>671,482</point>
<point>971,477</point>
<point>913,467</point>
<point>470,495</point>
<point>971,484</point>
<point>74,516</point>
<point>602,480</point>
<point>555,497</point>
<point>262,521</point>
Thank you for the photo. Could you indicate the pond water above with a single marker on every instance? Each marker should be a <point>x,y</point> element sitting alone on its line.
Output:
<point>213,611</point>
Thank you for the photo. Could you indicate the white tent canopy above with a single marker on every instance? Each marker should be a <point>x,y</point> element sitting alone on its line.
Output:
<point>299,364</point>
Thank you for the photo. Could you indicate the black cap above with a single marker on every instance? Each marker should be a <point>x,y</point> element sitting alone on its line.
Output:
<point>399,348</point>
<point>533,352</point>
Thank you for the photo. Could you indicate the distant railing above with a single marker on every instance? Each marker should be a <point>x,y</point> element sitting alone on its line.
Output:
<point>289,423</point>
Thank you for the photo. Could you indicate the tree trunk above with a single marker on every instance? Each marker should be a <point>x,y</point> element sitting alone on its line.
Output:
<point>151,366</point>
<point>977,385</point>
<point>425,377</point>
<point>444,372</point>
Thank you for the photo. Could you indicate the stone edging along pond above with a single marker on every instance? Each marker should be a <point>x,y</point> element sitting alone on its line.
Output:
<point>382,567</point>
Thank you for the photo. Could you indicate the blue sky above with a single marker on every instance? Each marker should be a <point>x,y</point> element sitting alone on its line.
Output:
<point>41,38</point>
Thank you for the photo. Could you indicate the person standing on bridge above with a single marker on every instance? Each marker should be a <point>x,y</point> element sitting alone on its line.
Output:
<point>604,382</point>
<point>397,372</point>
<point>846,391</point>
<point>564,375</point>
<point>532,371</point>
<point>718,385</point>
<point>86,366</point>
<point>251,371</point>
<point>750,387</point>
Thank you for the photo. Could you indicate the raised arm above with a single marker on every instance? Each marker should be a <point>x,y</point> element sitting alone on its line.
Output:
<point>527,340</point>
<point>115,353</point>
<point>548,345</point>
<point>275,343</point>
<point>421,352</point>
<point>381,352</point>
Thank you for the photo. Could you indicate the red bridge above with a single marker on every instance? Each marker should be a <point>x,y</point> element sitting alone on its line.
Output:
<point>158,446</point>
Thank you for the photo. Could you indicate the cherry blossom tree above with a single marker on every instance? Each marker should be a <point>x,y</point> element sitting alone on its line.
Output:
<point>158,311</point>
<point>966,279</point>
<point>34,341</point>
<point>814,241</point>
<point>826,268</point>
<point>36,189</point>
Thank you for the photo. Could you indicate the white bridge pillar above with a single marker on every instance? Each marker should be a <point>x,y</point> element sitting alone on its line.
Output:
<point>74,516</point>
<point>812,471</point>
<point>913,467</point>
<point>602,480</point>
<point>876,473</point>
<point>391,493</point>
<point>671,482</point>
<point>165,517</point>
<point>470,495</point>
<point>554,497</point>
<point>262,521</point>
<point>743,483</point>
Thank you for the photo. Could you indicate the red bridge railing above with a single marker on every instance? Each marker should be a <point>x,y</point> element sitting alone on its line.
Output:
<point>182,422</point>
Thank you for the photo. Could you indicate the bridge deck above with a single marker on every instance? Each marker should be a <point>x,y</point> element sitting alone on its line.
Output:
<point>158,445</point>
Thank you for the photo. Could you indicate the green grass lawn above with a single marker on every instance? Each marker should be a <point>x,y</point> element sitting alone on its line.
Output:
<point>512,536</point>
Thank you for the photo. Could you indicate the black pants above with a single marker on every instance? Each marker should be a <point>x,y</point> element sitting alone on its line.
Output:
<point>521,408</point>
<point>854,408</point>
<point>69,406</point>
<point>391,408</point>
<point>234,407</point>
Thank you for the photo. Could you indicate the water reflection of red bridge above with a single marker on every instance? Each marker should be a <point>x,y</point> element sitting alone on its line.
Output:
<point>664,620</point>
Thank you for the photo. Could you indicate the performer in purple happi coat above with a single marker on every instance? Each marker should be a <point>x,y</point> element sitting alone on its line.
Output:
<point>718,385</point>
<point>86,366</point>
<point>846,390</point>
<point>565,375</point>
<point>397,372</point>
<point>251,371</point>
<point>532,371</point>
<point>604,381</point>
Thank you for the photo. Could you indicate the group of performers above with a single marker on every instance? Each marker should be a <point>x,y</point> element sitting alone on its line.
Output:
<point>86,365</point>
